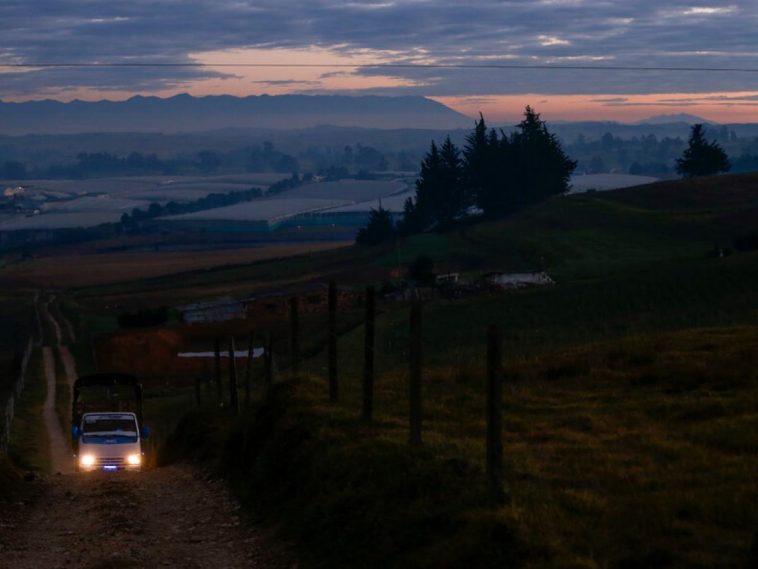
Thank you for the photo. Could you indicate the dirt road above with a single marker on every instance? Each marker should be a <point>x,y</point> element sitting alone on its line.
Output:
<point>61,456</point>
<point>167,517</point>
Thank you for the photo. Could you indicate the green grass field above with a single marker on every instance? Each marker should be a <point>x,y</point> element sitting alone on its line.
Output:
<point>638,452</point>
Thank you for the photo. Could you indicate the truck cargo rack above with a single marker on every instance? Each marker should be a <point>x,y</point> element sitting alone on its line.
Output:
<point>105,380</point>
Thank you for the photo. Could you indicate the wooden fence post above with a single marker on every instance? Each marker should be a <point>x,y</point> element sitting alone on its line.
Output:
<point>294,335</point>
<point>207,381</point>
<point>333,381</point>
<point>268,360</point>
<point>414,383</point>
<point>233,395</point>
<point>249,368</point>
<point>198,395</point>
<point>217,363</point>
<point>368,357</point>
<point>494,414</point>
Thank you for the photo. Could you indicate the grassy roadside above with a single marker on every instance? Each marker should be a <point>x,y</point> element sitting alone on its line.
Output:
<point>29,445</point>
<point>638,452</point>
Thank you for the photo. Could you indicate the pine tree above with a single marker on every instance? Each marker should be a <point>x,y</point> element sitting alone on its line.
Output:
<point>542,168</point>
<point>418,211</point>
<point>702,158</point>
<point>480,164</point>
<point>450,195</point>
<point>440,193</point>
<point>380,228</point>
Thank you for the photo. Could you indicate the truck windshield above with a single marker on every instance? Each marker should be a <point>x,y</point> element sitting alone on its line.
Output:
<point>95,425</point>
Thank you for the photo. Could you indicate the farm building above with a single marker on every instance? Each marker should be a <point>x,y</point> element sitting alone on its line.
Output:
<point>518,280</point>
<point>216,311</point>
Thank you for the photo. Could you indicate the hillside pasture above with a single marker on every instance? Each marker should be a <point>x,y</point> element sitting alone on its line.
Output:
<point>631,453</point>
<point>604,182</point>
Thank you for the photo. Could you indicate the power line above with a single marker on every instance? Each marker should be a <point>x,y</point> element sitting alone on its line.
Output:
<point>491,66</point>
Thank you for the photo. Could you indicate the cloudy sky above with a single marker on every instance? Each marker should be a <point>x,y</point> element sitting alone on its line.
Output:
<point>350,46</point>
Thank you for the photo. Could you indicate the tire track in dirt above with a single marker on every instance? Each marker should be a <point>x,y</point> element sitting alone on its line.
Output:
<point>69,365</point>
<point>61,457</point>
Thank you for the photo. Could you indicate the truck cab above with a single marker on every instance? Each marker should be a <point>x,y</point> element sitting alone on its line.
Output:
<point>106,423</point>
<point>109,441</point>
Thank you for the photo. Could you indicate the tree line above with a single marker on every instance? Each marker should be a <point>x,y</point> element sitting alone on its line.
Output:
<point>495,174</point>
<point>133,221</point>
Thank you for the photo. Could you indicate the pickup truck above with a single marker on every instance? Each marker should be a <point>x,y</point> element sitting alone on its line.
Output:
<point>106,429</point>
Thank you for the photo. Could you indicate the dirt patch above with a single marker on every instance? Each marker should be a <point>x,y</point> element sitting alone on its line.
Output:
<point>168,517</point>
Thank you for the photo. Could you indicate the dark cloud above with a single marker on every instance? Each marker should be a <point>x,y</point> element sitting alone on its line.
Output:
<point>559,32</point>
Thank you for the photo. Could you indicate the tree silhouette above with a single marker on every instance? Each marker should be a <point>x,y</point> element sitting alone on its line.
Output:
<point>380,228</point>
<point>450,196</point>
<point>498,173</point>
<point>440,192</point>
<point>543,169</point>
<point>702,158</point>
<point>485,157</point>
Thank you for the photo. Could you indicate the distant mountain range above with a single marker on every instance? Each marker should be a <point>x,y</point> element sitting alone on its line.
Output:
<point>185,113</point>
<point>675,118</point>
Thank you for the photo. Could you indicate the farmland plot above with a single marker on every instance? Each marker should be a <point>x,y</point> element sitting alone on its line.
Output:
<point>87,203</point>
<point>61,220</point>
<point>102,202</point>
<point>308,198</point>
<point>393,203</point>
<point>355,191</point>
<point>270,209</point>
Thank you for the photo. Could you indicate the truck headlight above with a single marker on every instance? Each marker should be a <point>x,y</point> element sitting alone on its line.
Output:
<point>134,459</point>
<point>87,460</point>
